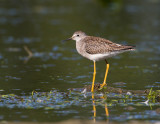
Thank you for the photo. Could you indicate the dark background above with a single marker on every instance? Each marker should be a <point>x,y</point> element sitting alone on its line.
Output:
<point>41,25</point>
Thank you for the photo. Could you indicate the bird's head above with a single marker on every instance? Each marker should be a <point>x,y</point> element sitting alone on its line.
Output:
<point>77,36</point>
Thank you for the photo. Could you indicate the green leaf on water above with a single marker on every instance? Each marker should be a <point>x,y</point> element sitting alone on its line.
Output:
<point>11,94</point>
<point>48,108</point>
<point>4,96</point>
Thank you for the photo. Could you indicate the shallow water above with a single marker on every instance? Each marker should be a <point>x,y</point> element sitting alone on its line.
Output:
<point>42,25</point>
<point>52,106</point>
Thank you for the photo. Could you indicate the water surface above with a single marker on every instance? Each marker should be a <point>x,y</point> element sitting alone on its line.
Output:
<point>41,25</point>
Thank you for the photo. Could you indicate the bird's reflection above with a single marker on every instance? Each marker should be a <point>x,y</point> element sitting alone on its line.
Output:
<point>94,107</point>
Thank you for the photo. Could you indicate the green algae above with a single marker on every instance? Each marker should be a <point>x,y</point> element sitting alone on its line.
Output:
<point>57,100</point>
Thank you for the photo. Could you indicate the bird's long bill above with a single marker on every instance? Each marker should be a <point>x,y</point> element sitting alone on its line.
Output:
<point>67,39</point>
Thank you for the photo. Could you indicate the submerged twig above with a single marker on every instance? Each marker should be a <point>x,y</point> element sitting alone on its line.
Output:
<point>30,54</point>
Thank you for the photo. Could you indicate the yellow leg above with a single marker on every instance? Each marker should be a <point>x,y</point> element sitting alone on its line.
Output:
<point>94,107</point>
<point>106,108</point>
<point>94,75</point>
<point>107,68</point>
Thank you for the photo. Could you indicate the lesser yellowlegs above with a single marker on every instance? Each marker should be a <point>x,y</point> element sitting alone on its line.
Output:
<point>96,48</point>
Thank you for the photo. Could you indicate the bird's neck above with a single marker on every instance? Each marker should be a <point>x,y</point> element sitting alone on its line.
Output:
<point>80,39</point>
<point>79,45</point>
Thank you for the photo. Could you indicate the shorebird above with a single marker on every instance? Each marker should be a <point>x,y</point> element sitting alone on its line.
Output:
<point>95,49</point>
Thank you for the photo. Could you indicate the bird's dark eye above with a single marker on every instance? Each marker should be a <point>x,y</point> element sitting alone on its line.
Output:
<point>77,35</point>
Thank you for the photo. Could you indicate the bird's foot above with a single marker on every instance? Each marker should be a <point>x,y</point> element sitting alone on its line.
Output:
<point>102,85</point>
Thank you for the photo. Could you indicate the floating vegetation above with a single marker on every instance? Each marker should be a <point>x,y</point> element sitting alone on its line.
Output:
<point>148,93</point>
<point>64,103</point>
<point>57,100</point>
<point>46,100</point>
<point>154,95</point>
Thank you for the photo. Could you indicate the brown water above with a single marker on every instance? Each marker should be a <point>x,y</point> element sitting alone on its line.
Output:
<point>41,25</point>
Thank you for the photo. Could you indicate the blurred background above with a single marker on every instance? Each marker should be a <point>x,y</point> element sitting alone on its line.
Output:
<point>39,26</point>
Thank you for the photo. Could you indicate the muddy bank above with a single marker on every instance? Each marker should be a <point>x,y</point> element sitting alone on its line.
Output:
<point>153,94</point>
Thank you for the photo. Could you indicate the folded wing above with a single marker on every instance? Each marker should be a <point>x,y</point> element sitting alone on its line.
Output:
<point>96,45</point>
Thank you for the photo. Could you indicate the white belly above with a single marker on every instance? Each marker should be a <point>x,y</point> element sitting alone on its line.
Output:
<point>97,57</point>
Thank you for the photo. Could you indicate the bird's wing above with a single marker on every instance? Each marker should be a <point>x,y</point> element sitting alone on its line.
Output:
<point>96,45</point>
